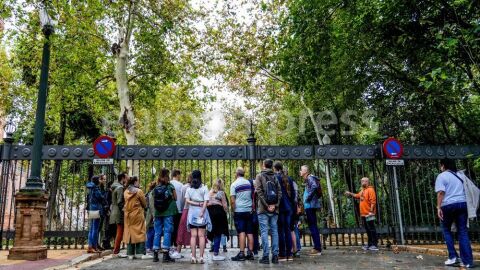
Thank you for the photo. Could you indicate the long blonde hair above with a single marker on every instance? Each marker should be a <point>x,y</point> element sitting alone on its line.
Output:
<point>218,186</point>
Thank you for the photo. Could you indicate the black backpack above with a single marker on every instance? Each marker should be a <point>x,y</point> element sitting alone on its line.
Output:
<point>271,191</point>
<point>161,198</point>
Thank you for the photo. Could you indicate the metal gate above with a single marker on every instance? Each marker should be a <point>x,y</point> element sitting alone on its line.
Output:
<point>66,170</point>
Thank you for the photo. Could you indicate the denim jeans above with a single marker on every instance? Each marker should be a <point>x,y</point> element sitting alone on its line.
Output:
<point>224,240</point>
<point>165,225</point>
<point>269,222</point>
<point>284,234</point>
<point>216,243</point>
<point>312,225</point>
<point>150,236</point>
<point>457,212</point>
<point>93,233</point>
<point>297,236</point>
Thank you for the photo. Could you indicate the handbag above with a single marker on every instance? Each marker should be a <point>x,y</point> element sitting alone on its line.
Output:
<point>93,214</point>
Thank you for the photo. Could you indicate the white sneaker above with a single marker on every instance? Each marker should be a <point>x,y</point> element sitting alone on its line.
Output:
<point>122,255</point>
<point>365,247</point>
<point>373,248</point>
<point>130,257</point>
<point>145,257</point>
<point>466,266</point>
<point>175,255</point>
<point>218,258</point>
<point>451,262</point>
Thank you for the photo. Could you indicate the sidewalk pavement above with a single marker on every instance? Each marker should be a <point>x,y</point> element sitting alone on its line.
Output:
<point>57,259</point>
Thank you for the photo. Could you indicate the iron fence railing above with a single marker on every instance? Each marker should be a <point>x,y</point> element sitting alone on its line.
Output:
<point>66,170</point>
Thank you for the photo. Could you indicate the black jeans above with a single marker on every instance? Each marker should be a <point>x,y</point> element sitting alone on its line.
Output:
<point>371,232</point>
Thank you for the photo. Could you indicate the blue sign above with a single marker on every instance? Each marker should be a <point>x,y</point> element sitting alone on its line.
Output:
<point>104,146</point>
<point>393,148</point>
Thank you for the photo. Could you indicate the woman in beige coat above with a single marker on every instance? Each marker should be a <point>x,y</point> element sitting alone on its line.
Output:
<point>134,222</point>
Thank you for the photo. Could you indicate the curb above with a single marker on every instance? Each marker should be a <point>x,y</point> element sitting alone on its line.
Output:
<point>430,251</point>
<point>81,259</point>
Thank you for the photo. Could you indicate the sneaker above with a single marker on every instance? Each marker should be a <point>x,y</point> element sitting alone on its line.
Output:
<point>373,248</point>
<point>167,258</point>
<point>264,260</point>
<point>289,259</point>
<point>175,255</point>
<point>467,265</point>
<point>314,252</point>
<point>296,254</point>
<point>145,257</point>
<point>239,258</point>
<point>451,262</point>
<point>122,255</point>
<point>274,259</point>
<point>131,257</point>
<point>250,257</point>
<point>218,258</point>
<point>282,259</point>
<point>365,247</point>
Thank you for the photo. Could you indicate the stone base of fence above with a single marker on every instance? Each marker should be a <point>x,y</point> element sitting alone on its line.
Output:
<point>429,251</point>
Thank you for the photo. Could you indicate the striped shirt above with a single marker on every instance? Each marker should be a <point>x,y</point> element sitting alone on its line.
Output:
<point>242,190</point>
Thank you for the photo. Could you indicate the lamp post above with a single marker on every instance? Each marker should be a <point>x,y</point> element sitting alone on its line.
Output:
<point>31,201</point>
<point>34,182</point>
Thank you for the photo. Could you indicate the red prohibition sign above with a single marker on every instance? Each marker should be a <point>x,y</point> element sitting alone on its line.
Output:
<point>104,147</point>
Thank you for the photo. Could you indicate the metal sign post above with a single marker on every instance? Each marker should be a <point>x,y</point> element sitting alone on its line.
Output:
<point>393,149</point>
<point>399,211</point>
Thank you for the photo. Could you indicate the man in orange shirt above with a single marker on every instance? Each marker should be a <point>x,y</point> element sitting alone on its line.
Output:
<point>368,210</point>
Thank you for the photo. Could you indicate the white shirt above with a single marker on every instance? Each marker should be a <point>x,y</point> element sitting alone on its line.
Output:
<point>178,190</point>
<point>197,195</point>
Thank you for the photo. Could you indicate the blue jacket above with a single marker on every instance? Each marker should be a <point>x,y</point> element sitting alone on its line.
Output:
<point>310,196</point>
<point>95,199</point>
<point>287,203</point>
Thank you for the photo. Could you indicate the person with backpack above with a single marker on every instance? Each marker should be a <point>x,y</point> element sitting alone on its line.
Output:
<point>95,200</point>
<point>165,209</point>
<point>312,204</point>
<point>117,215</point>
<point>287,209</point>
<point>149,217</point>
<point>198,219</point>
<point>134,220</point>
<point>452,208</point>
<point>217,210</point>
<point>241,196</point>
<point>268,194</point>
<point>368,210</point>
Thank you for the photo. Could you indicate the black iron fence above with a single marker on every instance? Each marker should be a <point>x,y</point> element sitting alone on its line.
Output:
<point>66,170</point>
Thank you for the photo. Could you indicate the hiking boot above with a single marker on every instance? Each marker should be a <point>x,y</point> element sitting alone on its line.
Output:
<point>167,258</point>
<point>155,256</point>
<point>264,260</point>
<point>315,252</point>
<point>249,256</point>
<point>274,259</point>
<point>239,258</point>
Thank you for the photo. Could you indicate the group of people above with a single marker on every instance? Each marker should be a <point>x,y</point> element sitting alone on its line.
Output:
<point>172,214</point>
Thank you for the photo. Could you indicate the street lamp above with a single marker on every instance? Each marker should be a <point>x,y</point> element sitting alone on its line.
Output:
<point>34,183</point>
<point>9,129</point>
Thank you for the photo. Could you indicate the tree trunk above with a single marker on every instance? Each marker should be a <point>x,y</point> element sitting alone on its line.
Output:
<point>52,212</point>
<point>126,116</point>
